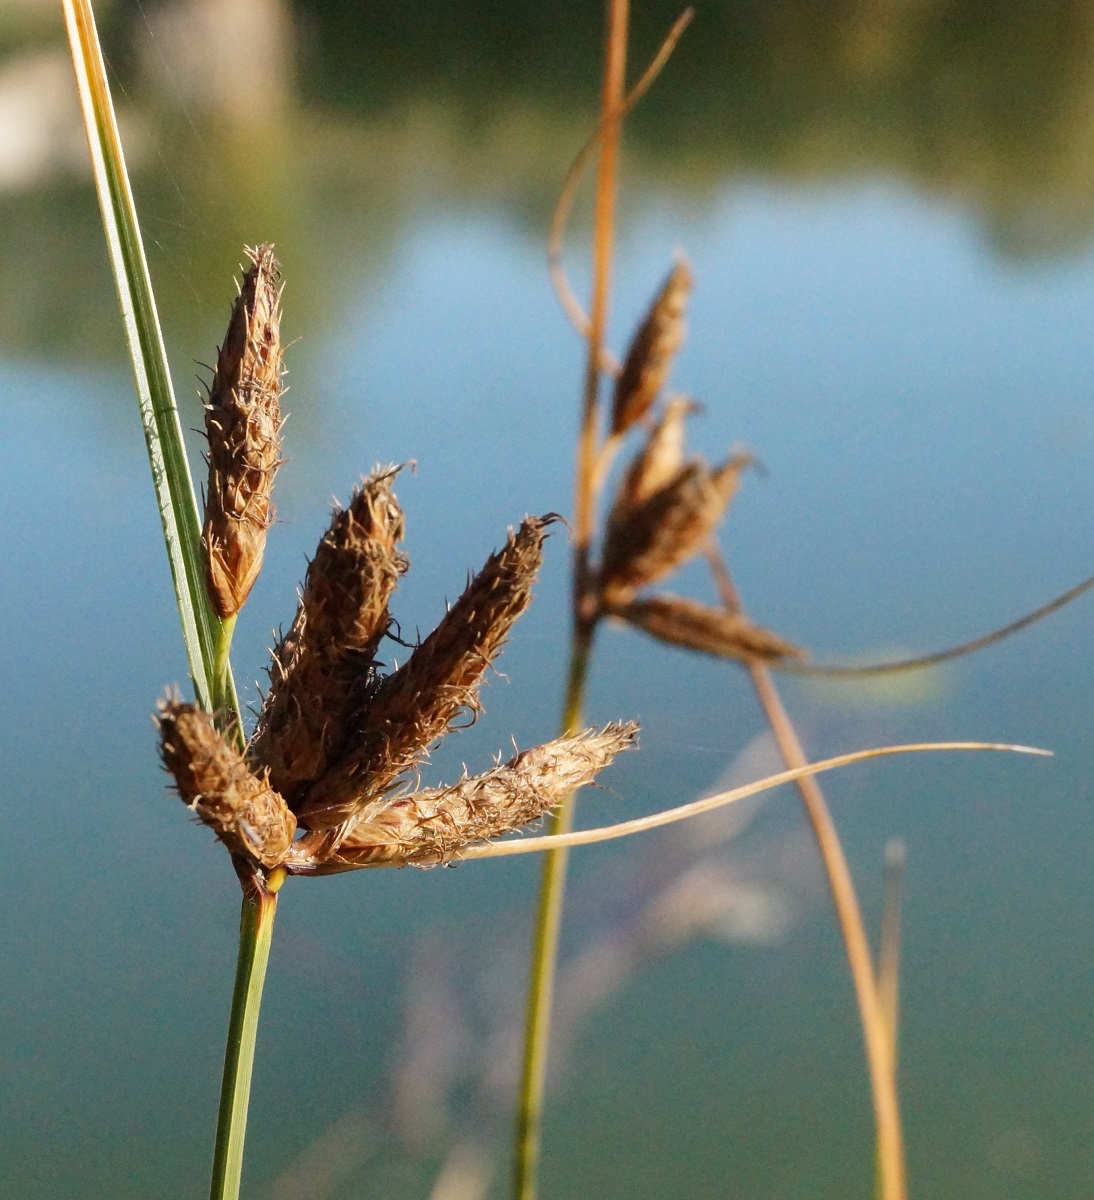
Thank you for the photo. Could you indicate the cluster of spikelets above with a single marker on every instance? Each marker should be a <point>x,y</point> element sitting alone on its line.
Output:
<point>325,783</point>
<point>667,505</point>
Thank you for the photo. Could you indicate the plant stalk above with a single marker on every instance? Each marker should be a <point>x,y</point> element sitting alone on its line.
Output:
<point>541,984</point>
<point>892,1183</point>
<point>255,933</point>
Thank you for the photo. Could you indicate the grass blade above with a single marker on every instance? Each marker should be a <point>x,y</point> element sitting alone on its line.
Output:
<point>159,414</point>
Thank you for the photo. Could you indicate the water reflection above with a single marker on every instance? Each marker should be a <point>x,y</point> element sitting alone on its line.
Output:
<point>860,187</point>
<point>328,126</point>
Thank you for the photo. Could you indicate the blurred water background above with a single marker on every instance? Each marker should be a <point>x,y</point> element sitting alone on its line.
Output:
<point>889,207</point>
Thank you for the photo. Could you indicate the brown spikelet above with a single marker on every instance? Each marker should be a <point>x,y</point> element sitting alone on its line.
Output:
<point>708,630</point>
<point>418,703</point>
<point>646,542</point>
<point>243,425</point>
<point>432,826</point>
<point>652,350</point>
<point>248,816</point>
<point>661,459</point>
<point>322,669</point>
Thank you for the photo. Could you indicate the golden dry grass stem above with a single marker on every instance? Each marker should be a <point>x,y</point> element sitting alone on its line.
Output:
<point>571,305</point>
<point>243,426</point>
<point>669,816</point>
<point>892,1181</point>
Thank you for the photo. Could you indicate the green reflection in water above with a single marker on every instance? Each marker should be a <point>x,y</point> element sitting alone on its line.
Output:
<point>329,127</point>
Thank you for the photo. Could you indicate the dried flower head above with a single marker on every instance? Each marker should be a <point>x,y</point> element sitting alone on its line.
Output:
<point>652,349</point>
<point>243,425</point>
<point>417,704</point>
<point>709,630</point>
<point>322,670</point>
<point>248,816</point>
<point>433,825</point>
<point>645,542</point>
<point>661,458</point>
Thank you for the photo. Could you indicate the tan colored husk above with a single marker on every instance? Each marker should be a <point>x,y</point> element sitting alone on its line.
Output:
<point>418,703</point>
<point>661,459</point>
<point>652,349</point>
<point>243,425</point>
<point>431,826</point>
<point>241,808</point>
<point>322,670</point>
<point>708,630</point>
<point>646,542</point>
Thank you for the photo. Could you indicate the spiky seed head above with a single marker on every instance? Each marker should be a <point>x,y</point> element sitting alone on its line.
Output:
<point>211,777</point>
<point>321,673</point>
<point>433,825</point>
<point>243,425</point>
<point>417,704</point>
<point>708,630</point>
<point>652,349</point>
<point>645,543</point>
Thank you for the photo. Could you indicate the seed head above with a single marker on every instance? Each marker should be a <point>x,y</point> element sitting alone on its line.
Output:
<point>652,350</point>
<point>708,630</point>
<point>646,542</point>
<point>248,816</point>
<point>322,669</point>
<point>243,425</point>
<point>432,826</point>
<point>417,704</point>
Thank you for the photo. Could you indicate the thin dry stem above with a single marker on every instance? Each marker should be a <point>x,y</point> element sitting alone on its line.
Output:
<point>243,425</point>
<point>941,656</point>
<point>322,671</point>
<point>433,825</point>
<point>567,298</point>
<point>211,777</point>
<point>684,812</point>
<point>419,702</point>
<point>879,1058</point>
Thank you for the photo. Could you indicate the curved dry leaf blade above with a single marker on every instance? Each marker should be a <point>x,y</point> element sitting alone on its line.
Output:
<point>586,837</point>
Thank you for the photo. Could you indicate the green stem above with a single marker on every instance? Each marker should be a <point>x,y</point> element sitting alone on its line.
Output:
<point>255,932</point>
<point>541,984</point>
<point>225,699</point>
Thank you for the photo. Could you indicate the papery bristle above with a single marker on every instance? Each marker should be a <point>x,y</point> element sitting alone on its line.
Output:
<point>433,825</point>
<point>708,630</point>
<point>211,777</point>
<point>418,703</point>
<point>322,669</point>
<point>652,349</point>
<point>243,425</point>
<point>647,542</point>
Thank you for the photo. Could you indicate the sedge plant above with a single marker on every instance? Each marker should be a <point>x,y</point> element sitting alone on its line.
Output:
<point>324,782</point>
